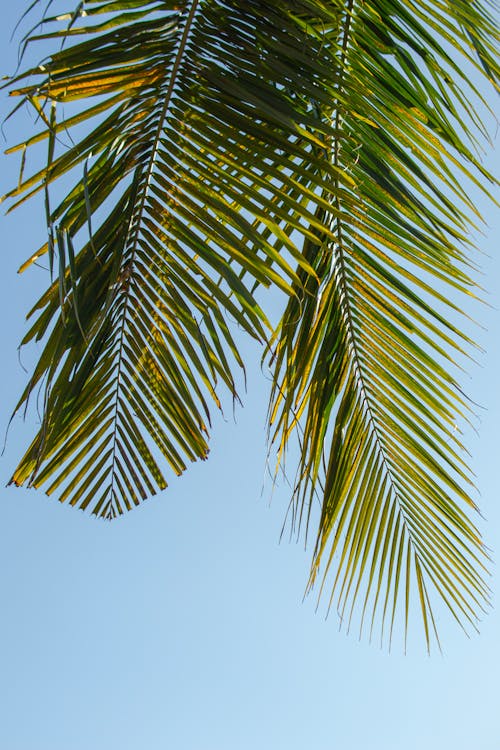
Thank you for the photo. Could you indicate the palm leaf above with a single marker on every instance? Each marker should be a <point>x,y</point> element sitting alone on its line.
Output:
<point>364,361</point>
<point>185,162</point>
<point>317,147</point>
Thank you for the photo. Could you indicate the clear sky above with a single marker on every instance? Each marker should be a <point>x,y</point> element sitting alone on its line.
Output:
<point>182,624</point>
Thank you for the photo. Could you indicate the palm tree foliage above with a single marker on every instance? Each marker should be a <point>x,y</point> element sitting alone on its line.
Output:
<point>316,146</point>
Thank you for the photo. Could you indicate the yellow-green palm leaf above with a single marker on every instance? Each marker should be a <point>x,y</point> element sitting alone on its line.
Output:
<point>317,147</point>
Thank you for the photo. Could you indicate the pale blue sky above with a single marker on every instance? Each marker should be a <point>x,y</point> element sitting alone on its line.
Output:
<point>182,624</point>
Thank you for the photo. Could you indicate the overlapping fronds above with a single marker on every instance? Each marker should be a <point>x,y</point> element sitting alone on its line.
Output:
<point>317,146</point>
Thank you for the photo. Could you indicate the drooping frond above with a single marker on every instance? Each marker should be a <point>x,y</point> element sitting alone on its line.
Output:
<point>193,165</point>
<point>318,146</point>
<point>364,360</point>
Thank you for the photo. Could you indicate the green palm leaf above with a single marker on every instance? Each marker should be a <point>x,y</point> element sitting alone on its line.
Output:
<point>362,362</point>
<point>180,141</point>
<point>316,147</point>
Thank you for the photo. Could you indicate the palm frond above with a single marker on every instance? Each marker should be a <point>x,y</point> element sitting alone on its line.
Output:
<point>364,360</point>
<point>185,162</point>
<point>317,147</point>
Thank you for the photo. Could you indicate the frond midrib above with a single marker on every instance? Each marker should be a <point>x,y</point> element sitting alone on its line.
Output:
<point>136,222</point>
<point>340,273</point>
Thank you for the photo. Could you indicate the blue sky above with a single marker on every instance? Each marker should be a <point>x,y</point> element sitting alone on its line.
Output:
<point>182,625</point>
